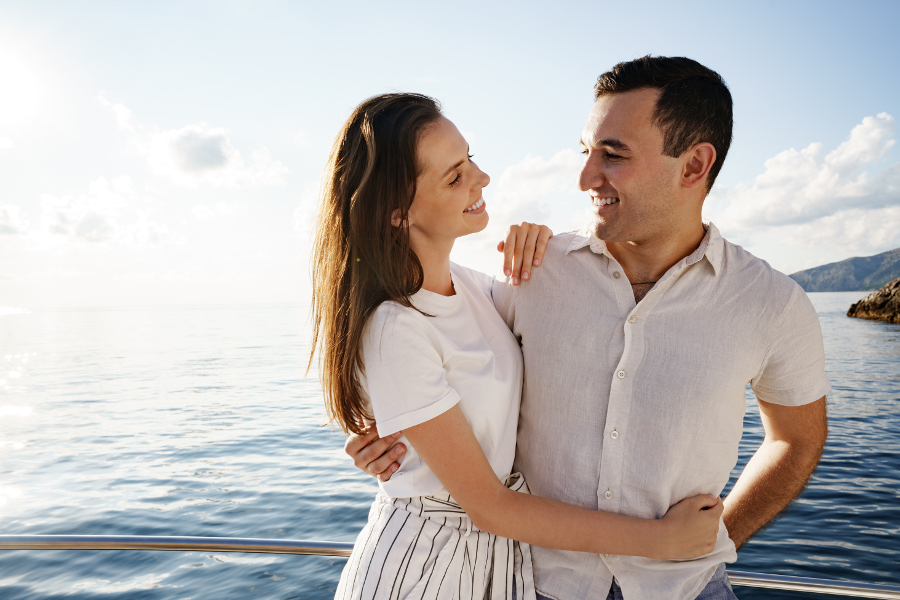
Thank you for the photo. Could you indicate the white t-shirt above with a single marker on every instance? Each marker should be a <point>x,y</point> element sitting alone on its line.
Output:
<point>418,367</point>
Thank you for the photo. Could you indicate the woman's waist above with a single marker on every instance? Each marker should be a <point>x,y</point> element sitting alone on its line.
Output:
<point>441,507</point>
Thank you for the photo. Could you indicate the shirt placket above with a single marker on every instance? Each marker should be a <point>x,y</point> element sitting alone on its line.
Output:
<point>609,490</point>
<point>617,436</point>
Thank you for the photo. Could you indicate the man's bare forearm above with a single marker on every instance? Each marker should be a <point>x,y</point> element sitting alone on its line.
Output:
<point>773,477</point>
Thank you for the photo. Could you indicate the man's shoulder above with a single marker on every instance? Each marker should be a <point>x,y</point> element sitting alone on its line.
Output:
<point>756,275</point>
<point>559,244</point>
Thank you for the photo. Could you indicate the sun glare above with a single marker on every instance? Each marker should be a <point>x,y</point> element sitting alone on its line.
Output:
<point>21,91</point>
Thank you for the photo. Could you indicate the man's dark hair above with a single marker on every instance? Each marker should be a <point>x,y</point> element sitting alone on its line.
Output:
<point>694,107</point>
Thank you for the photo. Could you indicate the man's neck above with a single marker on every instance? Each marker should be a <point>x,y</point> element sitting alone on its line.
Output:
<point>645,262</point>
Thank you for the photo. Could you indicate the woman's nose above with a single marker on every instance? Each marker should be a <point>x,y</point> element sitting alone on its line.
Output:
<point>485,178</point>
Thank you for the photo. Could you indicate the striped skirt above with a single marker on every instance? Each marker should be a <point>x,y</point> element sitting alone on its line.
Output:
<point>426,548</point>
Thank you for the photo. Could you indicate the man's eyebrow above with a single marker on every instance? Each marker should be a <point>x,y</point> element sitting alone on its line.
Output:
<point>614,143</point>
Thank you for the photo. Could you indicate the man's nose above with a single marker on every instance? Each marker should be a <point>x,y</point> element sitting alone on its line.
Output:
<point>591,175</point>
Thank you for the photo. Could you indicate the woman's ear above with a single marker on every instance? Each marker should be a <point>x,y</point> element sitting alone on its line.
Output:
<point>395,217</point>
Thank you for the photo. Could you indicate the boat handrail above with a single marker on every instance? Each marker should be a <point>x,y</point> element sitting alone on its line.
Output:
<point>343,549</point>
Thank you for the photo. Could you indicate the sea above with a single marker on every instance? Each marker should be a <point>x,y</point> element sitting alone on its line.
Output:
<point>202,421</point>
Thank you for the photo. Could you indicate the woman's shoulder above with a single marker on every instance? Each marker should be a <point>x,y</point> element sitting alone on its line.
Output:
<point>395,321</point>
<point>394,312</point>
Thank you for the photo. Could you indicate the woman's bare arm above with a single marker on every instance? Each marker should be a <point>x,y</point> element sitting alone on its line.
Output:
<point>449,448</point>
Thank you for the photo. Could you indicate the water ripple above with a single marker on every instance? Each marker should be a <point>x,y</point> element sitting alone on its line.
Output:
<point>196,421</point>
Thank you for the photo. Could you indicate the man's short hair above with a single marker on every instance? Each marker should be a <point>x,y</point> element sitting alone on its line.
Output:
<point>694,106</point>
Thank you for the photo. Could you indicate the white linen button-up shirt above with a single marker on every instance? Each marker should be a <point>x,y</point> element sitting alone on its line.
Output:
<point>629,408</point>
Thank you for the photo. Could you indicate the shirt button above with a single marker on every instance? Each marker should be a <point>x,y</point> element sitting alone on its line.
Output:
<point>621,374</point>
<point>632,319</point>
<point>617,275</point>
<point>608,555</point>
<point>614,435</point>
<point>608,494</point>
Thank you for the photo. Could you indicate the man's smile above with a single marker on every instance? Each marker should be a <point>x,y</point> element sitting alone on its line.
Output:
<point>603,203</point>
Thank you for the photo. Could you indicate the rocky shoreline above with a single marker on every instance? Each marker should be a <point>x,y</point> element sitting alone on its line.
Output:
<point>881,305</point>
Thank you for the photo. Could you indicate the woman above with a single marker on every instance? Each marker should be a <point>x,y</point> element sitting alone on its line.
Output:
<point>413,341</point>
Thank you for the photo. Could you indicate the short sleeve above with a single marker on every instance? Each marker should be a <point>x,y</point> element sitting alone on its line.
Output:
<point>404,372</point>
<point>793,371</point>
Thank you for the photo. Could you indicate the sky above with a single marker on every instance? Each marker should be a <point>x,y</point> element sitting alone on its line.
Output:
<point>171,152</point>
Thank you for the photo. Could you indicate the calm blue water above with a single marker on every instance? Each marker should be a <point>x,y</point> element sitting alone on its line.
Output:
<point>196,421</point>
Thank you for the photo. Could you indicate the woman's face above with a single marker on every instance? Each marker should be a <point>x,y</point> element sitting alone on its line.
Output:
<point>448,202</point>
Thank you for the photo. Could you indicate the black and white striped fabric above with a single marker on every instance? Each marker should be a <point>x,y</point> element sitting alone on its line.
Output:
<point>426,548</point>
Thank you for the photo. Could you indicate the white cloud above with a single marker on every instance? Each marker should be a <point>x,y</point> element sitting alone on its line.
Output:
<point>198,154</point>
<point>203,212</point>
<point>801,187</point>
<point>305,213</point>
<point>122,113</point>
<point>221,209</point>
<point>11,223</point>
<point>6,143</point>
<point>99,216</point>
<point>856,231</point>
<point>534,190</point>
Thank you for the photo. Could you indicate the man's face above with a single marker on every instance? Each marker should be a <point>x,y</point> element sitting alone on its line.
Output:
<point>632,185</point>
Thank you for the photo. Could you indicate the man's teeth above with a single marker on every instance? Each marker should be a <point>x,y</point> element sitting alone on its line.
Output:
<point>476,206</point>
<point>603,201</point>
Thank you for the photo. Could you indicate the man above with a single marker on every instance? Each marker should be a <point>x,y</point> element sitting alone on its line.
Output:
<point>640,337</point>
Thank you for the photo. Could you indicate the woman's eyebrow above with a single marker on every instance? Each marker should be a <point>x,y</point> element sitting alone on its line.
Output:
<point>451,169</point>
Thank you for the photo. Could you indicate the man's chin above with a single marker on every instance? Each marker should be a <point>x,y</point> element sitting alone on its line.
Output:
<point>603,230</point>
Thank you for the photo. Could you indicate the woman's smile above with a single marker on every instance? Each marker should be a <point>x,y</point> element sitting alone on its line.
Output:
<point>477,207</point>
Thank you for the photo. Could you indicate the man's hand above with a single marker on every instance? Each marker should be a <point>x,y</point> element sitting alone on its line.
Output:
<point>777,472</point>
<point>374,455</point>
<point>523,249</point>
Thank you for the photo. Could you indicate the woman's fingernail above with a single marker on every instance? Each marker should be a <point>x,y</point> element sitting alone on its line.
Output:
<point>537,262</point>
<point>506,272</point>
<point>515,281</point>
<point>400,450</point>
<point>525,275</point>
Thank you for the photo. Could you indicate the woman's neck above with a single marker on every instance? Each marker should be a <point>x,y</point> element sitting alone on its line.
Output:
<point>434,255</point>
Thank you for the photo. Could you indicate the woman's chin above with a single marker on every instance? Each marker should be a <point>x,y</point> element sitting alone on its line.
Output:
<point>477,223</point>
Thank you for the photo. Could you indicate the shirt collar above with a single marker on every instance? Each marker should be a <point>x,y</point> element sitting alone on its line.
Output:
<point>711,246</point>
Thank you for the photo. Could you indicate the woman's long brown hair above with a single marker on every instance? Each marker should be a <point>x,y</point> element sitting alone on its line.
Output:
<point>360,259</point>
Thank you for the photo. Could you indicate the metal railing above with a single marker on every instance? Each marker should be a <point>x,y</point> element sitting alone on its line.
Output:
<point>216,544</point>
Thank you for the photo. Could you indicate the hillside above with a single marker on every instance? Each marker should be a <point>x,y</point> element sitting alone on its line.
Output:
<point>860,273</point>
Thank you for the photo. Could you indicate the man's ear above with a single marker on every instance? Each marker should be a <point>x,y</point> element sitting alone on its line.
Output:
<point>700,159</point>
<point>395,217</point>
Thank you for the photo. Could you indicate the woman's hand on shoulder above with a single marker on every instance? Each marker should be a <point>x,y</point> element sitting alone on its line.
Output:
<point>690,528</point>
<point>523,249</point>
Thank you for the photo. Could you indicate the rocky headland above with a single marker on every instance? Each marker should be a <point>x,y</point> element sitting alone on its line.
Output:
<point>882,305</point>
<point>859,273</point>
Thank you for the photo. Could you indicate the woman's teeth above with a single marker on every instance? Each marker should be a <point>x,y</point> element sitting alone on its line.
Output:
<point>603,201</point>
<point>477,205</point>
